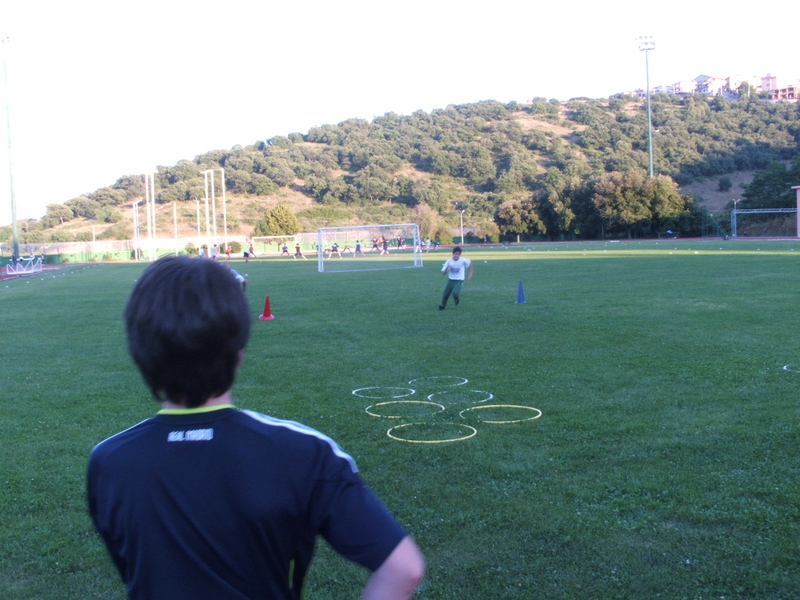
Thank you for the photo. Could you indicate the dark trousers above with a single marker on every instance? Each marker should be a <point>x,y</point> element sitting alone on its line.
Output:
<point>453,287</point>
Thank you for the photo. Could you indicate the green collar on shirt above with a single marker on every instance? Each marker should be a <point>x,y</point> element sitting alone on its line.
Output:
<point>193,411</point>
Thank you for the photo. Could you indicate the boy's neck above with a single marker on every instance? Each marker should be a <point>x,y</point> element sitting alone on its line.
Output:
<point>223,399</point>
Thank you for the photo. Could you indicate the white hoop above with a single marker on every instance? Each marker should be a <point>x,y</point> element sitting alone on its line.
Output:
<point>489,397</point>
<point>435,379</point>
<point>409,390</point>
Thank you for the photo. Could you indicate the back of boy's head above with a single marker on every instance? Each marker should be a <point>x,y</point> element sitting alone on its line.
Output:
<point>187,321</point>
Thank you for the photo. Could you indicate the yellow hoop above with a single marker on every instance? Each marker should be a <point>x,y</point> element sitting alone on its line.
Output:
<point>461,414</point>
<point>461,439</point>
<point>372,414</point>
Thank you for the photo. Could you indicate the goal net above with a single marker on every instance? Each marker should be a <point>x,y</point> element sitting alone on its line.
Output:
<point>369,248</point>
<point>272,244</point>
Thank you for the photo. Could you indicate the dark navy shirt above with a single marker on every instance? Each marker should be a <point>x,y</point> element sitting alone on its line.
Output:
<point>226,504</point>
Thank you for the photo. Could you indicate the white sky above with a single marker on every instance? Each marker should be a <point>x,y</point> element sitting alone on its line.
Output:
<point>99,89</point>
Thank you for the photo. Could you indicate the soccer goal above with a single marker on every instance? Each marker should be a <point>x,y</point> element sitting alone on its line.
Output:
<point>369,248</point>
<point>269,244</point>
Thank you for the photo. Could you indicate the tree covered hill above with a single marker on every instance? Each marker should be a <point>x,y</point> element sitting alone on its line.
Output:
<point>574,169</point>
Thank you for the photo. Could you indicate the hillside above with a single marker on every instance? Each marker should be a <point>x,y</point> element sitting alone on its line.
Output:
<point>547,168</point>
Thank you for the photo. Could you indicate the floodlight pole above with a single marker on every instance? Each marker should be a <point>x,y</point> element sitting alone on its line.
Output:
<point>149,215</point>
<point>153,214</point>
<point>461,214</point>
<point>14,230</point>
<point>224,209</point>
<point>208,241</point>
<point>136,241</point>
<point>647,43</point>
<point>733,218</point>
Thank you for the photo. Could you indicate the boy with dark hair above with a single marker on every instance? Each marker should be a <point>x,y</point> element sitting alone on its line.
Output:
<point>206,501</point>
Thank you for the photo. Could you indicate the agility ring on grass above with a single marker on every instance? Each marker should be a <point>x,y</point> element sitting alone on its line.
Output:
<point>472,433</point>
<point>374,406</point>
<point>459,395</point>
<point>381,396</point>
<point>440,380</point>
<point>473,408</point>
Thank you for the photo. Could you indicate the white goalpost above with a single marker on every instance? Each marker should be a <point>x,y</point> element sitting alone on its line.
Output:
<point>368,247</point>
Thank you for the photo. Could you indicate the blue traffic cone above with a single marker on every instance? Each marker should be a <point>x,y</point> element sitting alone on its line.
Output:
<point>520,295</point>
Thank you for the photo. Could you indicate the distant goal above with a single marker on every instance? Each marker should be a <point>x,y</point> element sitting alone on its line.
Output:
<point>368,248</point>
<point>272,244</point>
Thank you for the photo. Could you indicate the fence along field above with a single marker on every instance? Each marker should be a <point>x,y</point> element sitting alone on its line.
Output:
<point>664,461</point>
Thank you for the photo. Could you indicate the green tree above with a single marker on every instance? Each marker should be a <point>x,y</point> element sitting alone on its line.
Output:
<point>56,215</point>
<point>108,214</point>
<point>620,202</point>
<point>131,185</point>
<point>62,235</point>
<point>108,196</point>
<point>519,216</point>
<point>772,187</point>
<point>428,220</point>
<point>278,221</point>
<point>261,185</point>
<point>83,207</point>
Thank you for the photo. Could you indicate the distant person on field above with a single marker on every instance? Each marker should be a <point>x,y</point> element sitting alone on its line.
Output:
<point>358,249</point>
<point>214,252</point>
<point>298,252</point>
<point>205,501</point>
<point>285,250</point>
<point>334,250</point>
<point>455,268</point>
<point>252,251</point>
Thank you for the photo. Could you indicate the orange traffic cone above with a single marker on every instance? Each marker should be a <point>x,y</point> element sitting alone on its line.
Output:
<point>267,316</point>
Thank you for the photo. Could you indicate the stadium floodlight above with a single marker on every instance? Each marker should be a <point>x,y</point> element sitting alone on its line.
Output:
<point>14,228</point>
<point>208,227</point>
<point>137,251</point>
<point>362,248</point>
<point>647,43</point>
<point>150,212</point>
<point>461,210</point>
<point>214,203</point>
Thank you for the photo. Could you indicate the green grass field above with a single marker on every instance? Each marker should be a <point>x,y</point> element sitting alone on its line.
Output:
<point>665,463</point>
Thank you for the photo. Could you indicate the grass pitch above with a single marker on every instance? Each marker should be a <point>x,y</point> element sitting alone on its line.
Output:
<point>664,463</point>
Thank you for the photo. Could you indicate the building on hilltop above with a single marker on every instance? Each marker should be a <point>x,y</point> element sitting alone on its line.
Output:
<point>728,87</point>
